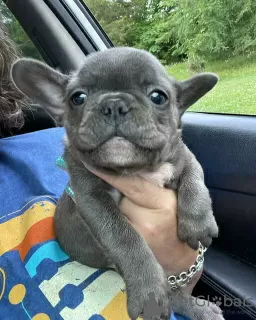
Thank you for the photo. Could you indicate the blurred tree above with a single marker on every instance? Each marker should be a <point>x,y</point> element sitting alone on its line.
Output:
<point>120,19</point>
<point>171,29</point>
<point>176,29</point>
<point>158,36</point>
<point>214,28</point>
<point>137,23</point>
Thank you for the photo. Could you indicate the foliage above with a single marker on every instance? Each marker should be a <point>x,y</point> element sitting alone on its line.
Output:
<point>215,28</point>
<point>122,20</point>
<point>173,30</point>
<point>176,29</point>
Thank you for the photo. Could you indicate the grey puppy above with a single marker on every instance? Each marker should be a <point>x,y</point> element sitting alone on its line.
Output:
<point>122,115</point>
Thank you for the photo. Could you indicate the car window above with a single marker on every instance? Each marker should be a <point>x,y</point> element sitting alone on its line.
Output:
<point>17,34</point>
<point>190,37</point>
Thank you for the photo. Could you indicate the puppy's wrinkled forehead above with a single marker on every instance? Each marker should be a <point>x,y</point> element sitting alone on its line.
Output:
<point>121,68</point>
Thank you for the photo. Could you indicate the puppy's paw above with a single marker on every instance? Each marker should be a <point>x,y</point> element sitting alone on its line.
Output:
<point>192,230</point>
<point>149,301</point>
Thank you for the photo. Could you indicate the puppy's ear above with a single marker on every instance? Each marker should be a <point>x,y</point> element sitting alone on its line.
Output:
<point>191,90</point>
<point>41,84</point>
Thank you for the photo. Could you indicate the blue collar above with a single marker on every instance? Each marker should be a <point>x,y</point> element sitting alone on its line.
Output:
<point>61,163</point>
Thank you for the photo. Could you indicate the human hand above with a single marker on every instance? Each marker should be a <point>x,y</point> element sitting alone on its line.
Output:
<point>152,211</point>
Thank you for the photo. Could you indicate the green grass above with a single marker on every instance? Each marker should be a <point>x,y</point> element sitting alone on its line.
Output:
<point>236,91</point>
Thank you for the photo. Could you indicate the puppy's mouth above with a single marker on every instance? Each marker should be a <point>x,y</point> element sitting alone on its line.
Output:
<point>117,154</point>
<point>118,143</point>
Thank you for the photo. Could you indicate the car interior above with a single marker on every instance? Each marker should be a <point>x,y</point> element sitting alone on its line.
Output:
<point>64,32</point>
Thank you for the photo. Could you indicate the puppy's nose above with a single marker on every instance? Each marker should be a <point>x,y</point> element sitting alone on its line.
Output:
<point>115,107</point>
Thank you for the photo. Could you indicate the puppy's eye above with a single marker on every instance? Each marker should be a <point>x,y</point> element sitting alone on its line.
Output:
<point>158,97</point>
<point>78,98</point>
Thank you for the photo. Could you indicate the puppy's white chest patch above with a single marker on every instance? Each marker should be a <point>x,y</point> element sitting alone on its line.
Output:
<point>160,177</point>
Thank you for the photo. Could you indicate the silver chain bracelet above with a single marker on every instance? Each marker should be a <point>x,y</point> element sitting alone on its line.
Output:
<point>183,279</point>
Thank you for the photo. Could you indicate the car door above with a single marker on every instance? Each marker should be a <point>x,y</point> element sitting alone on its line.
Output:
<point>64,32</point>
<point>225,145</point>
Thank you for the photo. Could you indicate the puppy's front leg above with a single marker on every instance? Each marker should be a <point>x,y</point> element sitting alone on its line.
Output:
<point>145,279</point>
<point>195,217</point>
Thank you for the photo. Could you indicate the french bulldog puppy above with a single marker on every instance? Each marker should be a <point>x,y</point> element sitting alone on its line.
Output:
<point>122,114</point>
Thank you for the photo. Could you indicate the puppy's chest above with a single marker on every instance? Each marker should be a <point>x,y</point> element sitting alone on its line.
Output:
<point>160,177</point>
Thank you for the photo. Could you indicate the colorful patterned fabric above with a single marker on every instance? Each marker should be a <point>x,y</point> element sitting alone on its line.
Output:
<point>37,278</point>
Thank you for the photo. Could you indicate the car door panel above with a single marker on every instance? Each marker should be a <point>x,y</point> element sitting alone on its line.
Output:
<point>225,146</point>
